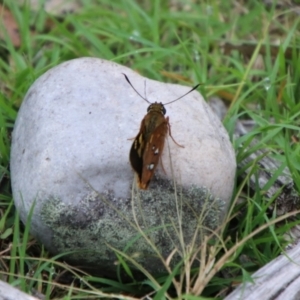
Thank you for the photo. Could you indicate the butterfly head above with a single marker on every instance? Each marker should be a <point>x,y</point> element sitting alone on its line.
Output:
<point>157,107</point>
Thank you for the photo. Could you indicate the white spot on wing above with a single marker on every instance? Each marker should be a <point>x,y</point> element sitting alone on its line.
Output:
<point>150,167</point>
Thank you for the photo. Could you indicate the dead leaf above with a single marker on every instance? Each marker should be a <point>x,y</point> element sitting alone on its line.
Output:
<point>9,24</point>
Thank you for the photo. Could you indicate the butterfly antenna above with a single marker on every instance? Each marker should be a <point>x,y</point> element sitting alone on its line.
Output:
<point>195,87</point>
<point>127,79</point>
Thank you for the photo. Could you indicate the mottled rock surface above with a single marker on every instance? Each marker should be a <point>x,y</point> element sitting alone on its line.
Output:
<point>69,158</point>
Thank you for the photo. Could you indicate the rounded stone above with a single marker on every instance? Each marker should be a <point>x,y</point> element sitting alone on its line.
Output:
<point>70,165</point>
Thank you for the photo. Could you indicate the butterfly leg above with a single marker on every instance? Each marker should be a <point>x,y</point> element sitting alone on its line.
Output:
<point>169,127</point>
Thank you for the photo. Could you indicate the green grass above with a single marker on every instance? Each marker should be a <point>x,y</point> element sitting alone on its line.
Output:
<point>170,41</point>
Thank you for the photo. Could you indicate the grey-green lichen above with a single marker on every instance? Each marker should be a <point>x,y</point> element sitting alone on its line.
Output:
<point>101,221</point>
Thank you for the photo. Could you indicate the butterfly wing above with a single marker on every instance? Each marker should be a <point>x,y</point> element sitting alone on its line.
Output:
<point>137,151</point>
<point>152,152</point>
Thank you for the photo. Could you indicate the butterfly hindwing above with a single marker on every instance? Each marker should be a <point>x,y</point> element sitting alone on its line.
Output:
<point>137,151</point>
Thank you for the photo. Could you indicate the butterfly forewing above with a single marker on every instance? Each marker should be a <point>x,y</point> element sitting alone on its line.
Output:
<point>152,153</point>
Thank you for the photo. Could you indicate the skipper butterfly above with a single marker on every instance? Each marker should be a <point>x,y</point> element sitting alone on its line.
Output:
<point>148,145</point>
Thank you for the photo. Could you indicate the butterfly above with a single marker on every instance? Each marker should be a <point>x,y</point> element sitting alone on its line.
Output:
<point>148,145</point>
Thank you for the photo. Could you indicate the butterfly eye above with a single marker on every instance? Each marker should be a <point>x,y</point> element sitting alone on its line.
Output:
<point>149,108</point>
<point>163,110</point>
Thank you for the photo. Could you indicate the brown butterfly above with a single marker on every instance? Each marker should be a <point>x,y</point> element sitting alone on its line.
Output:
<point>148,145</point>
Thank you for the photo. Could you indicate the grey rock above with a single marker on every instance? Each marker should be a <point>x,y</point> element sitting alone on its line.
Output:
<point>69,164</point>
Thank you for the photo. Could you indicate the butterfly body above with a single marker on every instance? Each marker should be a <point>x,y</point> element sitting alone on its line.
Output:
<point>148,145</point>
